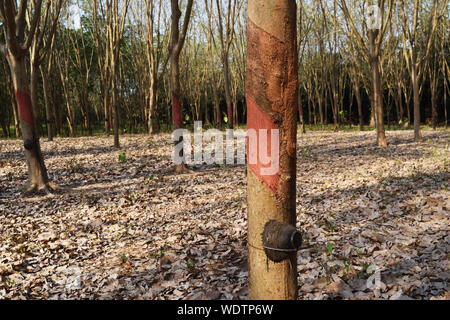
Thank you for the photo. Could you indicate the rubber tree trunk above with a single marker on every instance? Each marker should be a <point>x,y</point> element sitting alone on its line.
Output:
<point>48,114</point>
<point>115,107</point>
<point>272,101</point>
<point>378,101</point>
<point>37,172</point>
<point>373,122</point>
<point>216,101</point>
<point>300,113</point>
<point>416,93</point>
<point>434,106</point>
<point>227,91</point>
<point>177,114</point>
<point>106,102</point>
<point>115,118</point>
<point>359,102</point>
<point>176,89</point>
<point>400,105</point>
<point>322,122</point>
<point>235,113</point>
<point>445,109</point>
<point>16,116</point>
<point>152,106</point>
<point>34,77</point>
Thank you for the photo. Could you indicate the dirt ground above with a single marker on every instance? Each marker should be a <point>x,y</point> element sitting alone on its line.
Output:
<point>376,221</point>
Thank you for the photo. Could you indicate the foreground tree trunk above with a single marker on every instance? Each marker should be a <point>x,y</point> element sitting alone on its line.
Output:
<point>272,101</point>
<point>37,172</point>
<point>17,44</point>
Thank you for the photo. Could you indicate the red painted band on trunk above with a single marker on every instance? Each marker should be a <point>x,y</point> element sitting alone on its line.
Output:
<point>24,106</point>
<point>176,111</point>
<point>230,112</point>
<point>256,119</point>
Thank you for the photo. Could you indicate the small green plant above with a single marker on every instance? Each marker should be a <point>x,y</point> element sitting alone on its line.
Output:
<point>75,166</point>
<point>307,152</point>
<point>330,246</point>
<point>157,255</point>
<point>10,283</point>
<point>119,235</point>
<point>153,177</point>
<point>346,266</point>
<point>124,257</point>
<point>367,270</point>
<point>123,157</point>
<point>190,265</point>
<point>331,227</point>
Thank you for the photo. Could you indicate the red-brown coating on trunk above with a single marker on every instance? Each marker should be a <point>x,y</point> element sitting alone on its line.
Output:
<point>260,120</point>
<point>24,106</point>
<point>272,80</point>
<point>230,115</point>
<point>176,111</point>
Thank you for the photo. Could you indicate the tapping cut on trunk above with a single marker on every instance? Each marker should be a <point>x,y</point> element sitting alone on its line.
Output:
<point>24,106</point>
<point>176,110</point>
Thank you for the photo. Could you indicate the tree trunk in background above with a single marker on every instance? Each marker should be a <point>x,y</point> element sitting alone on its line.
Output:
<point>300,112</point>
<point>359,102</point>
<point>434,108</point>
<point>416,93</point>
<point>377,90</point>
<point>434,104</point>
<point>177,114</point>
<point>378,102</point>
<point>445,107</point>
<point>152,104</point>
<point>235,112</point>
<point>177,43</point>
<point>227,92</point>
<point>401,109</point>
<point>216,102</point>
<point>106,109</point>
<point>116,113</point>
<point>322,122</point>
<point>48,115</point>
<point>14,109</point>
<point>34,77</point>
<point>407,97</point>
<point>272,98</point>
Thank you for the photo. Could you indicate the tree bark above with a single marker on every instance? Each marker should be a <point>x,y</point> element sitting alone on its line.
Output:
<point>176,47</point>
<point>359,102</point>
<point>37,172</point>
<point>378,102</point>
<point>272,102</point>
<point>416,93</point>
<point>48,114</point>
<point>14,107</point>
